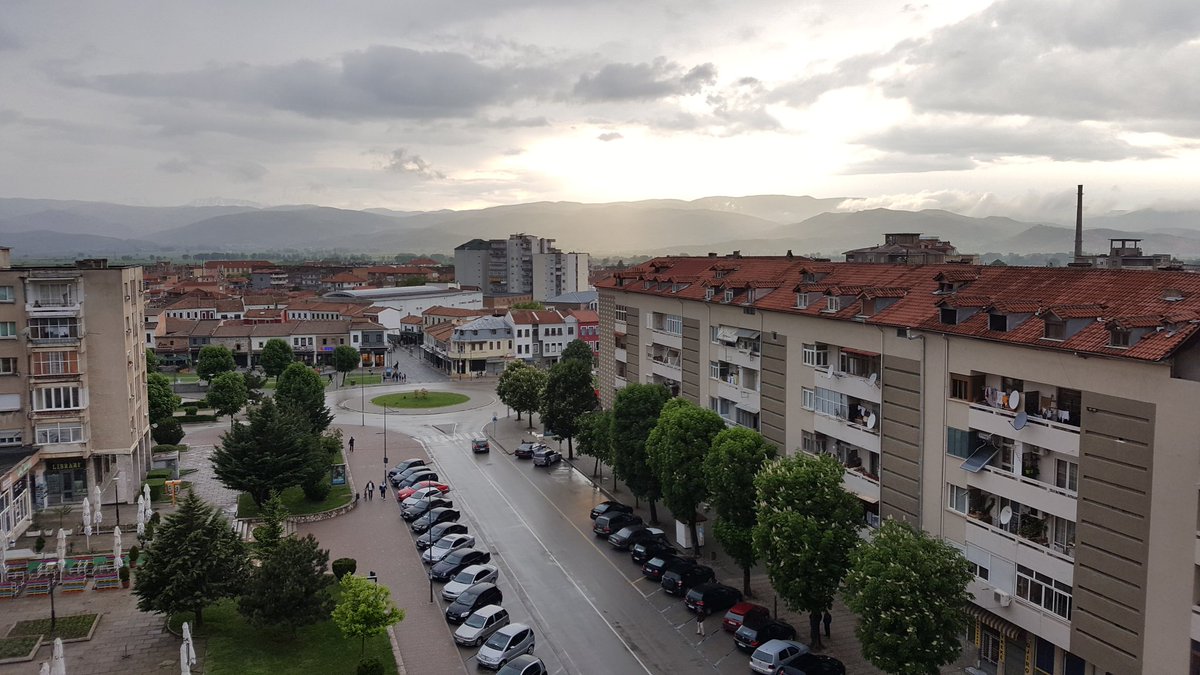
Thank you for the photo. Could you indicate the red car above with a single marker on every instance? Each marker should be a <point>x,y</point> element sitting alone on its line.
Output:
<point>743,612</point>
<point>407,492</point>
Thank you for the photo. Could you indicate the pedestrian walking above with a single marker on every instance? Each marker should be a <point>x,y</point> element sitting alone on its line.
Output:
<point>370,489</point>
<point>814,629</point>
<point>351,444</point>
<point>356,496</point>
<point>827,619</point>
<point>700,613</point>
<point>382,490</point>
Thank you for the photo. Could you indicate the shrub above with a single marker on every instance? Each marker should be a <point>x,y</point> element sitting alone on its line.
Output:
<point>124,574</point>
<point>189,410</point>
<point>190,419</point>
<point>344,566</point>
<point>316,489</point>
<point>39,544</point>
<point>168,431</point>
<point>369,666</point>
<point>169,447</point>
<point>159,473</point>
<point>157,488</point>
<point>134,551</point>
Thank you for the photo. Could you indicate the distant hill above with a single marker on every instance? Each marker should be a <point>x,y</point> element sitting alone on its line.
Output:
<point>1039,238</point>
<point>51,244</point>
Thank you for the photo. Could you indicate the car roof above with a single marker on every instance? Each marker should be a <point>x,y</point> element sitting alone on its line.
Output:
<point>524,660</point>
<point>775,646</point>
<point>746,607</point>
<point>478,568</point>
<point>488,610</point>
<point>513,628</point>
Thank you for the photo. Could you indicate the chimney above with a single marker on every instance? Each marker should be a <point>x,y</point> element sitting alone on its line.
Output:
<point>1079,225</point>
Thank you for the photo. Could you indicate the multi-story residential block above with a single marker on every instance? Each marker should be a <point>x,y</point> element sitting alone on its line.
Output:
<point>522,263</point>
<point>1042,420</point>
<point>540,336</point>
<point>181,340</point>
<point>73,410</point>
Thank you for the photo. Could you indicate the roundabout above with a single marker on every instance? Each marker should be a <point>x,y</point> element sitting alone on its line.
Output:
<point>420,399</point>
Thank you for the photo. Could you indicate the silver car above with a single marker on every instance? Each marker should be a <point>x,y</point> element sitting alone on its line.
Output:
<point>417,496</point>
<point>471,575</point>
<point>480,625</point>
<point>774,654</point>
<point>442,547</point>
<point>504,645</point>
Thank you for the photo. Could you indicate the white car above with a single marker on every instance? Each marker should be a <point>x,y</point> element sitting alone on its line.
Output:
<point>442,547</point>
<point>481,624</point>
<point>774,654</point>
<point>471,575</point>
<point>419,495</point>
<point>504,645</point>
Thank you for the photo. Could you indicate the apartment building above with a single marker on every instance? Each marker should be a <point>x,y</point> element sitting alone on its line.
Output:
<point>523,263</point>
<point>73,411</point>
<point>312,341</point>
<point>1039,419</point>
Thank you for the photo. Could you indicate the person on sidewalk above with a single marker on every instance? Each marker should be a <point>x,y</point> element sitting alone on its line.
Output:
<point>827,619</point>
<point>814,630</point>
<point>700,614</point>
<point>382,490</point>
<point>351,444</point>
<point>370,489</point>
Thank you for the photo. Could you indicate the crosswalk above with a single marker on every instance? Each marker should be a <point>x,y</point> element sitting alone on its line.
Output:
<point>439,438</point>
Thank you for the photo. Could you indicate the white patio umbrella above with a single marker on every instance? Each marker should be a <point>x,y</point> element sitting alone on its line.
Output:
<point>87,522</point>
<point>61,549</point>
<point>187,641</point>
<point>97,516</point>
<point>141,516</point>
<point>184,667</point>
<point>117,547</point>
<point>58,662</point>
<point>146,495</point>
<point>44,669</point>
<point>4,558</point>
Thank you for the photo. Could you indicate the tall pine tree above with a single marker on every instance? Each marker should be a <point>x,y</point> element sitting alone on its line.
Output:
<point>269,453</point>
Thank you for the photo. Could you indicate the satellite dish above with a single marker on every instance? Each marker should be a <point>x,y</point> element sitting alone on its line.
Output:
<point>829,373</point>
<point>1020,421</point>
<point>1014,399</point>
<point>1006,515</point>
<point>871,421</point>
<point>872,379</point>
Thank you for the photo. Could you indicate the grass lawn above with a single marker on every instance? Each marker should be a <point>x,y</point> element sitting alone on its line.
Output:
<point>297,505</point>
<point>354,380</point>
<point>237,648</point>
<point>412,399</point>
<point>11,648</point>
<point>68,627</point>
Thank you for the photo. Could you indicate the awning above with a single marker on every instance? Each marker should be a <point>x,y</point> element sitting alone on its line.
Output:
<point>858,352</point>
<point>725,334</point>
<point>980,457</point>
<point>1008,630</point>
<point>748,334</point>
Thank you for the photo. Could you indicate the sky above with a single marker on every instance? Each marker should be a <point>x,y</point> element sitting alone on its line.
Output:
<point>985,108</point>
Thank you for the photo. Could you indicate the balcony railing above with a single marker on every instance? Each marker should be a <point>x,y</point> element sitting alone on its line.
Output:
<point>1031,419</point>
<point>1064,554</point>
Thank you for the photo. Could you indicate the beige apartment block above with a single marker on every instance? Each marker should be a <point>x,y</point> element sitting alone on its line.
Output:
<point>73,409</point>
<point>1041,420</point>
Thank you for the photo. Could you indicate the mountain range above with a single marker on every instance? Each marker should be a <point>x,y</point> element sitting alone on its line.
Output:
<point>762,224</point>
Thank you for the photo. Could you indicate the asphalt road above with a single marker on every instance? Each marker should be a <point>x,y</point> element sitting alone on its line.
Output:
<point>590,609</point>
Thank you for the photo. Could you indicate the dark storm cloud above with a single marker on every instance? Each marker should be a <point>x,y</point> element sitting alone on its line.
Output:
<point>644,81</point>
<point>516,122</point>
<point>402,161</point>
<point>984,142</point>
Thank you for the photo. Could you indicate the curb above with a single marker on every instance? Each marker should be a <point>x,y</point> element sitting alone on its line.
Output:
<point>568,462</point>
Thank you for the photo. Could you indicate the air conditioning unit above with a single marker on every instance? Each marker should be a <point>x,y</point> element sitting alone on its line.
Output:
<point>1002,598</point>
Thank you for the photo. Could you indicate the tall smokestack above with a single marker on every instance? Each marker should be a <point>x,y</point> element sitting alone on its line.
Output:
<point>1079,225</point>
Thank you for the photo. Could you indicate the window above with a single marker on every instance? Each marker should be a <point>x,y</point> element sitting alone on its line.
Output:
<point>960,387</point>
<point>714,370</point>
<point>708,293</point>
<point>949,316</point>
<point>808,398</point>
<point>1004,457</point>
<point>57,398</point>
<point>10,437</point>
<point>67,432</point>
<point>8,329</point>
<point>1044,591</point>
<point>672,324</point>
<point>833,303</point>
<point>978,570</point>
<point>1062,534</point>
<point>958,499</point>
<point>49,329</point>
<point>747,419</point>
<point>8,366</point>
<point>989,649</point>
<point>959,443</point>
<point>802,300</point>
<point>6,294</point>
<point>808,442</point>
<point>816,355</point>
<point>620,313</point>
<point>1118,337</point>
<point>729,295</point>
<point>1066,475</point>
<point>830,403</point>
<point>998,322</point>
<point>1055,329</point>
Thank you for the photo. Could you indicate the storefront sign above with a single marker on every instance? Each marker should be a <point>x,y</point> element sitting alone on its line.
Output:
<point>64,466</point>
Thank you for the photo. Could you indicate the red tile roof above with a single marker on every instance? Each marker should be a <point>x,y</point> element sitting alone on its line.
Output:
<point>411,319</point>
<point>530,316</point>
<point>585,315</point>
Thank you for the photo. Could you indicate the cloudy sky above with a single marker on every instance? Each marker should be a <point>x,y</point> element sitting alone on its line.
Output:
<point>980,106</point>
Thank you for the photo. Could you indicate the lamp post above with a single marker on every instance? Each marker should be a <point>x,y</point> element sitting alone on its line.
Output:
<point>362,388</point>
<point>117,493</point>
<point>430,549</point>
<point>385,457</point>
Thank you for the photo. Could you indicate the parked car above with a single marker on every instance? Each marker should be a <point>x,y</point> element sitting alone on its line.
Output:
<point>421,493</point>
<point>475,597</point>
<point>544,456</point>
<point>712,598</point>
<point>468,577</point>
<point>775,654</point>
<point>679,580</point>
<point>653,548</point>
<point>654,568</point>
<point>417,478</point>
<point>813,664</point>
<point>609,506</point>
<point>751,636</point>
<point>457,561</point>
<point>405,466</point>
<point>424,506</point>
<point>479,445</point>
<point>445,545</point>
<point>407,492</point>
<point>402,475</point>
<point>608,524</point>
<point>635,534</point>
<point>437,532</point>
<point>525,664</point>
<point>442,514</point>
<point>526,449</point>
<point>504,645</point>
<point>743,612</point>
<point>480,625</point>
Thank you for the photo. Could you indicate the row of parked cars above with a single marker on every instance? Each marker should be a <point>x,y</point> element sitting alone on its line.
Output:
<point>453,557</point>
<point>770,642</point>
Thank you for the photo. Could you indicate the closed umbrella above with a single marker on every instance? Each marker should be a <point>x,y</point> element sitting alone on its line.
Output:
<point>187,641</point>
<point>87,522</point>
<point>117,547</point>
<point>58,662</point>
<point>141,516</point>
<point>184,667</point>
<point>61,548</point>
<point>146,494</point>
<point>97,517</point>
<point>4,559</point>
<point>44,669</point>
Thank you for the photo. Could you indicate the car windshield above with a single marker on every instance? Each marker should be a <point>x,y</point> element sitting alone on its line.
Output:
<point>763,655</point>
<point>446,543</point>
<point>476,620</point>
<point>465,577</point>
<point>497,641</point>
<point>455,558</point>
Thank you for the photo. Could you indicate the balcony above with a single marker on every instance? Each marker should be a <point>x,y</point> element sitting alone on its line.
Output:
<point>1021,550</point>
<point>845,430</point>
<point>620,355</point>
<point>1043,433</point>
<point>1028,491</point>
<point>666,339</point>
<point>740,355</point>
<point>862,388</point>
<point>43,337</point>
<point>862,484</point>
<point>53,296</point>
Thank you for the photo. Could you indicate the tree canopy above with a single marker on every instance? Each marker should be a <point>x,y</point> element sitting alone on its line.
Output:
<point>162,400</point>
<point>345,359</point>
<point>635,413</point>
<point>270,453</point>
<point>528,304</point>
<point>302,389</point>
<point>276,355</point>
<point>913,632</point>
<point>736,456</point>
<point>675,451</point>
<point>153,363</point>
<point>578,350</point>
<point>365,609</point>
<point>524,390</point>
<point>566,396</point>
<point>595,437</point>
<point>288,589</point>
<point>505,381</point>
<point>214,360</point>
<point>194,560</point>
<point>227,394</point>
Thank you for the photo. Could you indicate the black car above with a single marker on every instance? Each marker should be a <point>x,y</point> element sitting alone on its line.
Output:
<point>405,466</point>
<point>651,548</point>
<point>544,456</point>
<point>417,478</point>
<point>609,524</point>
<point>678,580</point>
<point>526,449</point>
<point>654,568</point>
<point>424,506</point>
<point>475,597</point>
<point>712,598</point>
<point>442,514</point>
<point>610,506</point>
<point>437,532</point>
<point>456,561</point>
<point>621,539</point>
<point>636,537</point>
<point>751,636</point>
<point>401,476</point>
<point>813,664</point>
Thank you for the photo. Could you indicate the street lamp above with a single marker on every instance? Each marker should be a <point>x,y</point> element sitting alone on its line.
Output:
<point>117,493</point>
<point>385,457</point>
<point>362,388</point>
<point>429,540</point>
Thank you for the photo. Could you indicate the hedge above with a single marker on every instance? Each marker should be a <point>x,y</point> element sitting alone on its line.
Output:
<point>185,419</point>
<point>158,488</point>
<point>167,447</point>
<point>159,473</point>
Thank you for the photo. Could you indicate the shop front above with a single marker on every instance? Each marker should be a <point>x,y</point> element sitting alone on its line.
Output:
<point>65,481</point>
<point>16,495</point>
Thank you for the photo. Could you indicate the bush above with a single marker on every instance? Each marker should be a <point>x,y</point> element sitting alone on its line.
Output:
<point>134,552</point>
<point>316,489</point>
<point>369,666</point>
<point>189,410</point>
<point>159,473</point>
<point>344,566</point>
<point>155,518</point>
<point>123,574</point>
<point>188,419</point>
<point>157,488</point>
<point>169,447</point>
<point>168,431</point>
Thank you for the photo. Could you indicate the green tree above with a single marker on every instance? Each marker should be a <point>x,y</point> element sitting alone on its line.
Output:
<point>566,396</point>
<point>270,453</point>
<point>168,431</point>
<point>288,589</point>
<point>635,413</point>
<point>530,304</point>
<point>153,363</point>
<point>675,451</point>
<point>578,350</point>
<point>194,560</point>
<point>365,609</point>
<point>271,530</point>
<point>227,394</point>
<point>736,456</point>
<point>276,355</point>
<point>913,632</point>
<point>162,400</point>
<point>504,384</point>
<point>525,390</point>
<point>595,437</point>
<point>254,384</point>
<point>807,526</point>
<point>345,359</point>
<point>214,360</point>
<point>302,389</point>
